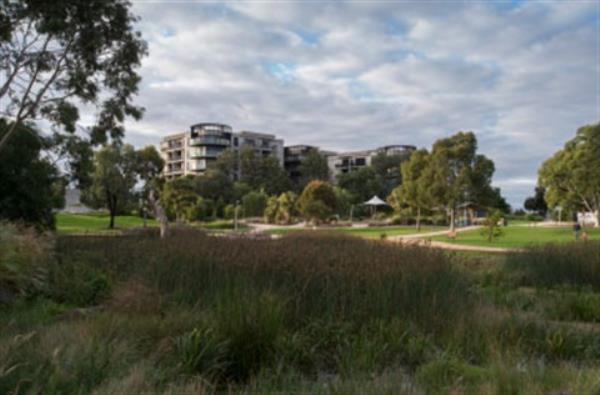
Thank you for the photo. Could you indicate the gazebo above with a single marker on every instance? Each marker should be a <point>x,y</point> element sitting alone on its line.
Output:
<point>374,202</point>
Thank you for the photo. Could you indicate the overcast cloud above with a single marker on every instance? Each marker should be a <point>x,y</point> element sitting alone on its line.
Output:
<point>522,75</point>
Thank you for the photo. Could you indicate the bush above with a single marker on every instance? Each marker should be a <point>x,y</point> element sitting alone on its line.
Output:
<point>24,258</point>
<point>318,201</point>
<point>201,352</point>
<point>229,211</point>
<point>78,283</point>
<point>254,203</point>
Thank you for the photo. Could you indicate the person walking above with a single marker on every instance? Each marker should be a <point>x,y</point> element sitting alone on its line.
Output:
<point>576,230</point>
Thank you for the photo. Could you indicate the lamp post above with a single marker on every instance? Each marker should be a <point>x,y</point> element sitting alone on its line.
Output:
<point>235,215</point>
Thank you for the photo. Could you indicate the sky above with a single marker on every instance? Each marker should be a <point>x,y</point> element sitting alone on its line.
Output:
<point>522,75</point>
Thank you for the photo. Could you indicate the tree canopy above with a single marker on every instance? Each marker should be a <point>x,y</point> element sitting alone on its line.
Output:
<point>317,201</point>
<point>571,175</point>
<point>31,187</point>
<point>313,167</point>
<point>537,202</point>
<point>456,174</point>
<point>413,191</point>
<point>113,179</point>
<point>56,55</point>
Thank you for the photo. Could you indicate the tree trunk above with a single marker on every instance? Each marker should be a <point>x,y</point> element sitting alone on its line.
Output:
<point>160,215</point>
<point>418,219</point>
<point>452,222</point>
<point>597,224</point>
<point>112,219</point>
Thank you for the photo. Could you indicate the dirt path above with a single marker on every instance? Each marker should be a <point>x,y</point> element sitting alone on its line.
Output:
<point>414,236</point>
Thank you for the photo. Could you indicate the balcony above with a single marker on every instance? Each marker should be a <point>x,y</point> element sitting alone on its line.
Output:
<point>209,140</point>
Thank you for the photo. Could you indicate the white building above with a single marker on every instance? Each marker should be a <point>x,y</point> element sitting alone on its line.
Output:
<point>196,151</point>
<point>345,162</point>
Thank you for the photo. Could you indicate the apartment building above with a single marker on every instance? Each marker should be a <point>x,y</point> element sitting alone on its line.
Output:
<point>196,151</point>
<point>345,162</point>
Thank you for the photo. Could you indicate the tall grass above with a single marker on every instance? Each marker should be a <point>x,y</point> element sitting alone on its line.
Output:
<point>313,275</point>
<point>575,264</point>
<point>311,312</point>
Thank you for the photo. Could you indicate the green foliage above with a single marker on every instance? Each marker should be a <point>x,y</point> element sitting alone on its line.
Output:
<point>537,203</point>
<point>254,204</point>
<point>457,174</point>
<point>413,192</point>
<point>318,201</point>
<point>282,208</point>
<point>62,54</point>
<point>24,259</point>
<point>251,325</point>
<point>387,168</point>
<point>492,229</point>
<point>446,373</point>
<point>77,283</point>
<point>201,352</point>
<point>31,186</point>
<point>313,167</point>
<point>362,184</point>
<point>262,173</point>
<point>570,175</point>
<point>229,211</point>
<point>114,177</point>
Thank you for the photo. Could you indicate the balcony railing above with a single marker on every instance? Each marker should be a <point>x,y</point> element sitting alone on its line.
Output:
<point>209,140</point>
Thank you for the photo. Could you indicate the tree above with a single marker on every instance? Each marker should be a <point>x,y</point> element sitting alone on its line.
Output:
<point>413,191</point>
<point>313,167</point>
<point>113,179</point>
<point>31,187</point>
<point>537,202</point>
<point>149,168</point>
<point>59,54</point>
<point>571,175</point>
<point>281,209</point>
<point>227,163</point>
<point>254,203</point>
<point>317,201</point>
<point>262,173</point>
<point>491,226</point>
<point>181,200</point>
<point>387,168</point>
<point>362,183</point>
<point>457,174</point>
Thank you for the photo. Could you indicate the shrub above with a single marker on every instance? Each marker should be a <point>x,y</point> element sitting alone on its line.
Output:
<point>229,211</point>
<point>250,325</point>
<point>78,283</point>
<point>24,258</point>
<point>201,352</point>
<point>254,203</point>
<point>318,201</point>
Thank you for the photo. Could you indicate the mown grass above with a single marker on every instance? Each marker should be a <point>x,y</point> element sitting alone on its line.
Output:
<point>96,222</point>
<point>520,236</point>
<point>309,313</point>
<point>367,232</point>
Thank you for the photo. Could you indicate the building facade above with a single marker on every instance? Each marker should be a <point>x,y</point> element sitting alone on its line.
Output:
<point>345,162</point>
<point>196,151</point>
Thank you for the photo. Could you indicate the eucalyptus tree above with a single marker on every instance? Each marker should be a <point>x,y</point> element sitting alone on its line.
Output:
<point>571,175</point>
<point>56,56</point>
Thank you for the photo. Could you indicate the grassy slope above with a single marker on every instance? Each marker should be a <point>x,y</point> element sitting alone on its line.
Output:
<point>520,236</point>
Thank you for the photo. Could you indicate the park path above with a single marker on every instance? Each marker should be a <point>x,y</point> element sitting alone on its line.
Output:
<point>420,239</point>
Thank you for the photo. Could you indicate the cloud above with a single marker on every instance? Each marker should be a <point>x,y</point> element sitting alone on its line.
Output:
<point>350,75</point>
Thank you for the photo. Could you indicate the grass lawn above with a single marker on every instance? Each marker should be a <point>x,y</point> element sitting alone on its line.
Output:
<point>370,232</point>
<point>95,222</point>
<point>520,236</point>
